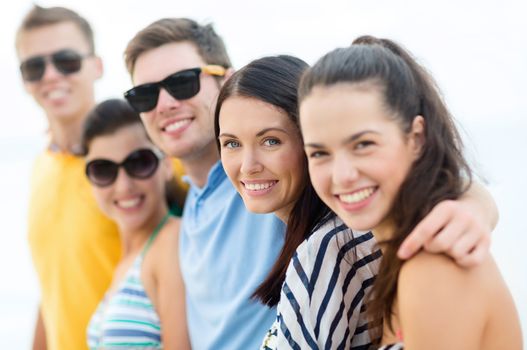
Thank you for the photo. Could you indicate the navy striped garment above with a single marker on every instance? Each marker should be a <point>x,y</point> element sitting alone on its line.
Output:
<point>398,346</point>
<point>322,299</point>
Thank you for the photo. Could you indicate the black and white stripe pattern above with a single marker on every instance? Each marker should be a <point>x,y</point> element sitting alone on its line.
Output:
<point>321,303</point>
<point>398,346</point>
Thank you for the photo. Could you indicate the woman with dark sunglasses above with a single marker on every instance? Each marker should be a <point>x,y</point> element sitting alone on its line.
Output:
<point>324,271</point>
<point>144,305</point>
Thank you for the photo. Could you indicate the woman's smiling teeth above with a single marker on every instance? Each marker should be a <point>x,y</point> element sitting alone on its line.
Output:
<point>177,125</point>
<point>357,196</point>
<point>129,203</point>
<point>258,186</point>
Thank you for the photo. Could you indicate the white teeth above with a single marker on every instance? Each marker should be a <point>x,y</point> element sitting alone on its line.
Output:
<point>129,203</point>
<point>56,94</point>
<point>357,196</point>
<point>177,125</point>
<point>259,187</point>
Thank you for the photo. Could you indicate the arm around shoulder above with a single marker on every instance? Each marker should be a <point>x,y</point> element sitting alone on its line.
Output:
<point>483,203</point>
<point>460,228</point>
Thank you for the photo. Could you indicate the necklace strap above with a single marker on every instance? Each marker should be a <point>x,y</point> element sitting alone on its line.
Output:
<point>75,149</point>
<point>155,232</point>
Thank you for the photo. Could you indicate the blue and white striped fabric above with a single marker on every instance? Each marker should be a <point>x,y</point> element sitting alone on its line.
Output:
<point>322,300</point>
<point>126,319</point>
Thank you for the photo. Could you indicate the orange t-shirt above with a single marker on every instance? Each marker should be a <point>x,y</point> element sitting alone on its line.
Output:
<point>74,247</point>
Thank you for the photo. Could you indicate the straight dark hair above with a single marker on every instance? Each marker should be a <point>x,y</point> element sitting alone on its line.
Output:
<point>112,115</point>
<point>274,80</point>
<point>106,118</point>
<point>440,172</point>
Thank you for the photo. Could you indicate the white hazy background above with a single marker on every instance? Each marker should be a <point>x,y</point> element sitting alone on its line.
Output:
<point>476,50</point>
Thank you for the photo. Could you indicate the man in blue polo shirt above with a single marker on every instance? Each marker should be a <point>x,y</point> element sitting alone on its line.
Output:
<point>225,251</point>
<point>177,67</point>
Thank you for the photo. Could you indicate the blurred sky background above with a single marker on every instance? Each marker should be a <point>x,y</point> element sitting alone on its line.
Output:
<point>476,50</point>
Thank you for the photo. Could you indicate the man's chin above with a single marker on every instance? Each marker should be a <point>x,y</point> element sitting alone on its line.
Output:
<point>177,151</point>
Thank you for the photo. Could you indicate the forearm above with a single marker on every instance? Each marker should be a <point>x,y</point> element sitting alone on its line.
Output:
<point>483,204</point>
<point>174,331</point>
<point>39,337</point>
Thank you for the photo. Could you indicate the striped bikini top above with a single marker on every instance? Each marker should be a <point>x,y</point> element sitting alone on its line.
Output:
<point>127,319</point>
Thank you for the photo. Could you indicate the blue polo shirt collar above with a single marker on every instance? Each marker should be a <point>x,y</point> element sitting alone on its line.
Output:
<point>214,178</point>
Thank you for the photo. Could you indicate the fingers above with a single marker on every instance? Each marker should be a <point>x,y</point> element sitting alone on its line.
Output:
<point>463,245</point>
<point>427,229</point>
<point>452,229</point>
<point>447,238</point>
<point>477,254</point>
<point>463,238</point>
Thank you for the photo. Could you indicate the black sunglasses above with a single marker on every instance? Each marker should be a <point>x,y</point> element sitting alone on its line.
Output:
<point>140,164</point>
<point>181,85</point>
<point>65,61</point>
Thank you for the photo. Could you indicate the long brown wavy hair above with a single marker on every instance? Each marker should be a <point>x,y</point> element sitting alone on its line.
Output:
<point>440,172</point>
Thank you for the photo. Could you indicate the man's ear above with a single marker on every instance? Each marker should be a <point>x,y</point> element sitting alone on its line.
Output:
<point>228,73</point>
<point>417,135</point>
<point>98,66</point>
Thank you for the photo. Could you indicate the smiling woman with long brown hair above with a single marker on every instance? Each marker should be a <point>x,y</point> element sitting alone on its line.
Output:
<point>383,150</point>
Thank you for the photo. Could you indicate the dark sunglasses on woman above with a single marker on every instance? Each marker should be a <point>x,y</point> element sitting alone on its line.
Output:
<point>181,85</point>
<point>140,164</point>
<point>65,61</point>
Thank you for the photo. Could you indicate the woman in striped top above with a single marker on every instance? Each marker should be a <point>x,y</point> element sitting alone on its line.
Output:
<point>144,307</point>
<point>383,151</point>
<point>320,280</point>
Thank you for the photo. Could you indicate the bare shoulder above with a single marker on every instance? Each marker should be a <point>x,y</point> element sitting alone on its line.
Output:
<point>471,305</point>
<point>435,284</point>
<point>427,268</point>
<point>424,265</point>
<point>164,249</point>
<point>169,234</point>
